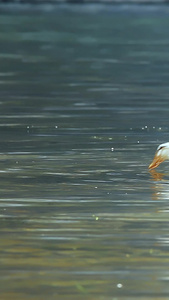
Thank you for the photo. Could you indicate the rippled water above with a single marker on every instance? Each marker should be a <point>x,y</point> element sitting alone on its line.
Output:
<point>84,102</point>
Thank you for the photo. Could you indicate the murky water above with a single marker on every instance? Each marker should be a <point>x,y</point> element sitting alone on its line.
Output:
<point>84,102</point>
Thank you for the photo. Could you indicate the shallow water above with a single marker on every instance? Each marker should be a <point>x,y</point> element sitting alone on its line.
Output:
<point>84,104</point>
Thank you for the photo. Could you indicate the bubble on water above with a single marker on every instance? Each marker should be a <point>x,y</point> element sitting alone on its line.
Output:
<point>112,149</point>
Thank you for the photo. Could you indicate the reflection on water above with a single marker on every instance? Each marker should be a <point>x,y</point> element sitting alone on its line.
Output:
<point>84,104</point>
<point>156,175</point>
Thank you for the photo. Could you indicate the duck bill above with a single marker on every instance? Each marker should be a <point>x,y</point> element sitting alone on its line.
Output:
<point>158,159</point>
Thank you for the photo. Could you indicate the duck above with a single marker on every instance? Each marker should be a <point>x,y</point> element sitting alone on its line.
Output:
<point>162,154</point>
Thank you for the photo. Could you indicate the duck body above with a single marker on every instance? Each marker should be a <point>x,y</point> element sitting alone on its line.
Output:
<point>161,155</point>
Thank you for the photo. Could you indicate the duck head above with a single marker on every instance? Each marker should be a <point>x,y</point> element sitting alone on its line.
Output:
<point>161,155</point>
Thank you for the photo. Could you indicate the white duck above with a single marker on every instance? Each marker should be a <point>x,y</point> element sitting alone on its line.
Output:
<point>161,154</point>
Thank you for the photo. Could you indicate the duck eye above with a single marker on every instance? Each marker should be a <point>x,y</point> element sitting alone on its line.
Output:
<point>161,148</point>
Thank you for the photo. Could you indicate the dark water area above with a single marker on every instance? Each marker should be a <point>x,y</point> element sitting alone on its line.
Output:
<point>84,102</point>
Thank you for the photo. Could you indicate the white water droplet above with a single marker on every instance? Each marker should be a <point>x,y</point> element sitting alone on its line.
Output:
<point>119,285</point>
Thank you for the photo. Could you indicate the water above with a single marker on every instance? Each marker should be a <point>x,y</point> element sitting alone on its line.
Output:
<point>83,105</point>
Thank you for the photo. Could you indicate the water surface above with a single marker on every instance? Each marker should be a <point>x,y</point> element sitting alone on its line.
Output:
<point>84,102</point>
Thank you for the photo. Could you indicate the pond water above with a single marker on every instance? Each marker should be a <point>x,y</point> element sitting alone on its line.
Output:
<point>84,102</point>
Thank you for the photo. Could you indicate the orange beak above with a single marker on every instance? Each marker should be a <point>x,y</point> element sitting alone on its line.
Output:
<point>158,159</point>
